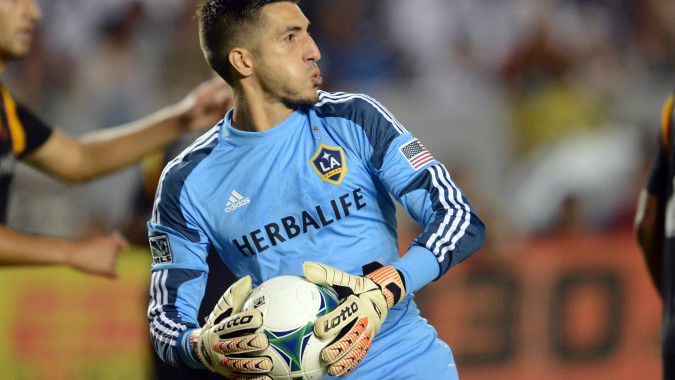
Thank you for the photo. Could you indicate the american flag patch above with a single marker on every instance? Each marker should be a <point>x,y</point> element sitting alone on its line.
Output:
<point>416,154</point>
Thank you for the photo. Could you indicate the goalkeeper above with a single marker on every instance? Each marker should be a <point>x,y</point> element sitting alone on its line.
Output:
<point>299,181</point>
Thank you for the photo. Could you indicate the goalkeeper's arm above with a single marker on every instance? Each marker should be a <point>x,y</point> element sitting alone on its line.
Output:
<point>227,343</point>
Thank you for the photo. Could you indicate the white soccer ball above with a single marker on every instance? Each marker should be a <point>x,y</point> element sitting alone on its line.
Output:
<point>290,305</point>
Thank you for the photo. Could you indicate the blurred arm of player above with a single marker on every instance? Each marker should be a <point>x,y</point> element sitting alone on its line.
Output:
<point>93,256</point>
<point>649,227</point>
<point>103,152</point>
<point>107,150</point>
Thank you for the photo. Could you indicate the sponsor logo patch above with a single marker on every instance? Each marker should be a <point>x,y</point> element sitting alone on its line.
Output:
<point>329,163</point>
<point>416,154</point>
<point>160,249</point>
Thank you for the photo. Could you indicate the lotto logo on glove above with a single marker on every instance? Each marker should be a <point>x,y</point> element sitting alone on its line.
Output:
<point>346,312</point>
<point>238,320</point>
<point>366,300</point>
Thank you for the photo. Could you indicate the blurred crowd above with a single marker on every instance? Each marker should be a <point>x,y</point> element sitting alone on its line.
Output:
<point>544,111</point>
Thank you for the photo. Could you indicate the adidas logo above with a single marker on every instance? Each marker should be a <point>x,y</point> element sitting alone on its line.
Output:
<point>236,200</point>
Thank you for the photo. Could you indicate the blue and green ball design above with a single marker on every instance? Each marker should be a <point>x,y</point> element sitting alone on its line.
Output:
<point>291,344</point>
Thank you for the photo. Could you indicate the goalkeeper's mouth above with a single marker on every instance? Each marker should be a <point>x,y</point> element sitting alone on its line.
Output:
<point>316,77</point>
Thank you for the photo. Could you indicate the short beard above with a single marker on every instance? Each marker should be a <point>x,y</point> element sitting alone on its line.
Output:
<point>304,101</point>
<point>283,94</point>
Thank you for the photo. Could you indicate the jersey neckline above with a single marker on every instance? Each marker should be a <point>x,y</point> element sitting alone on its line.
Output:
<point>280,131</point>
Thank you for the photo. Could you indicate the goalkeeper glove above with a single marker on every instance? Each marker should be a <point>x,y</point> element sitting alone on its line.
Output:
<point>366,300</point>
<point>228,337</point>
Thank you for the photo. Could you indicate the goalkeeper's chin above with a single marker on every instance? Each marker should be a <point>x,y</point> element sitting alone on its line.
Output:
<point>309,99</point>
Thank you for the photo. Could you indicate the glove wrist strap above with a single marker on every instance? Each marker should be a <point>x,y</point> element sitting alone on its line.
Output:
<point>194,345</point>
<point>390,282</point>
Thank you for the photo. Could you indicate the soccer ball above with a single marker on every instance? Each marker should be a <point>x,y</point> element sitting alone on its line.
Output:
<point>290,305</point>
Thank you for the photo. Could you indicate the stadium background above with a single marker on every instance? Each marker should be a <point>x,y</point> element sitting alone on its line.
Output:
<point>545,112</point>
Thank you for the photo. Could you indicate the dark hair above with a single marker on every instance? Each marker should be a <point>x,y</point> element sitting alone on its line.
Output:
<point>224,25</point>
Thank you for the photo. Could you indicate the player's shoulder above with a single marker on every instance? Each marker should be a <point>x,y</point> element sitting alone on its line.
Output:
<point>180,168</point>
<point>361,109</point>
<point>341,102</point>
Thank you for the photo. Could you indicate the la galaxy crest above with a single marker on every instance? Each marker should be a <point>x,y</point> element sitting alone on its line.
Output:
<point>329,163</point>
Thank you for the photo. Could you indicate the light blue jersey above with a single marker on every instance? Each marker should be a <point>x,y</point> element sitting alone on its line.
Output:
<point>316,187</point>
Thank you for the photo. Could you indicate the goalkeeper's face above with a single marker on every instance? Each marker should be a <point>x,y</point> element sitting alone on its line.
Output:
<point>285,62</point>
<point>17,25</point>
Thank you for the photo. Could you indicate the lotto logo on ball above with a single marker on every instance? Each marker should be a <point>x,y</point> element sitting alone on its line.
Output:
<point>290,305</point>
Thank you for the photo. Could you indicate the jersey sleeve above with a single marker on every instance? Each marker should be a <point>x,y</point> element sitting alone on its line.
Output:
<point>452,229</point>
<point>37,132</point>
<point>657,182</point>
<point>27,130</point>
<point>179,271</point>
